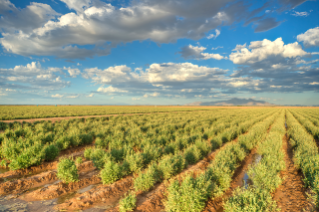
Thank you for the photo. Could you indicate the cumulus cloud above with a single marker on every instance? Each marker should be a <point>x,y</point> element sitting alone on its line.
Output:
<point>74,72</point>
<point>168,79</point>
<point>39,30</point>
<point>33,16</point>
<point>214,36</point>
<point>32,76</point>
<point>280,67</point>
<point>265,49</point>
<point>196,52</point>
<point>310,37</point>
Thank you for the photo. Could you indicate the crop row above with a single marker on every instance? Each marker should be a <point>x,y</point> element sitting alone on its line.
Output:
<point>192,193</point>
<point>24,145</point>
<point>117,163</point>
<point>26,112</point>
<point>171,165</point>
<point>265,175</point>
<point>310,127</point>
<point>306,155</point>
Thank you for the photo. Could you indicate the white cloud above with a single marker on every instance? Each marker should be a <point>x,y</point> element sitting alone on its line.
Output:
<point>39,30</point>
<point>310,37</point>
<point>72,71</point>
<point>57,96</point>
<point>33,76</point>
<point>303,14</point>
<point>135,99</point>
<point>27,19</point>
<point>262,50</point>
<point>214,36</point>
<point>314,83</point>
<point>91,95</point>
<point>111,89</point>
<point>196,52</point>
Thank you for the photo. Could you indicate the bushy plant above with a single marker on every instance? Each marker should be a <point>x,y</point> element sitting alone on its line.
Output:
<point>78,161</point>
<point>67,171</point>
<point>147,180</point>
<point>190,195</point>
<point>111,173</point>
<point>128,203</point>
<point>51,152</point>
<point>136,161</point>
<point>250,200</point>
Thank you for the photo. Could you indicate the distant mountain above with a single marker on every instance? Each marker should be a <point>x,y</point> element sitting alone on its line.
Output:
<point>231,102</point>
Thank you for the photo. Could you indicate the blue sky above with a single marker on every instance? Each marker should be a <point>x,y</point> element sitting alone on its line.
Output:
<point>158,52</point>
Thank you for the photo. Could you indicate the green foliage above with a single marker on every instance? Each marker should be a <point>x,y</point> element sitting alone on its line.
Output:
<point>78,161</point>
<point>51,152</point>
<point>250,200</point>
<point>128,203</point>
<point>111,173</point>
<point>147,180</point>
<point>67,171</point>
<point>190,195</point>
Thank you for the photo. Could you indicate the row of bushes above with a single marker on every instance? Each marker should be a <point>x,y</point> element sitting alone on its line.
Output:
<point>265,175</point>
<point>310,127</point>
<point>192,193</point>
<point>306,155</point>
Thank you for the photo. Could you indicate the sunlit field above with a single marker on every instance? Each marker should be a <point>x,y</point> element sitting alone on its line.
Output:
<point>160,159</point>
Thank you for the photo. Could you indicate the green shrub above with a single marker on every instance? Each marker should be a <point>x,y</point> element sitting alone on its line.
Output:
<point>190,195</point>
<point>128,203</point>
<point>67,171</point>
<point>147,180</point>
<point>51,152</point>
<point>136,162</point>
<point>250,200</point>
<point>111,173</point>
<point>78,161</point>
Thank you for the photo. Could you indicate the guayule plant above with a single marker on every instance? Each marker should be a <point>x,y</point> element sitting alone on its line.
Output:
<point>128,203</point>
<point>111,172</point>
<point>51,152</point>
<point>190,195</point>
<point>67,171</point>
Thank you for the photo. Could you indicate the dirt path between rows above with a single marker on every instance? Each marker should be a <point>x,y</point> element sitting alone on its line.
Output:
<point>216,204</point>
<point>99,194</point>
<point>291,194</point>
<point>21,185</point>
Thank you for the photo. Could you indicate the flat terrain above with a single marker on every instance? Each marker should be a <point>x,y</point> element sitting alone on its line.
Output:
<point>154,150</point>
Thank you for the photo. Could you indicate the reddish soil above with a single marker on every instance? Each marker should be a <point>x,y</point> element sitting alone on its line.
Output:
<point>98,195</point>
<point>21,185</point>
<point>74,152</point>
<point>61,188</point>
<point>291,194</point>
<point>216,204</point>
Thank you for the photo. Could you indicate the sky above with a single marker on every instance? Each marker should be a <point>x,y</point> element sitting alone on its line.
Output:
<point>168,52</point>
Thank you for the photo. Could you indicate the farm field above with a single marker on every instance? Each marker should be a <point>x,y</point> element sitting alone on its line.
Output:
<point>160,159</point>
<point>31,112</point>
